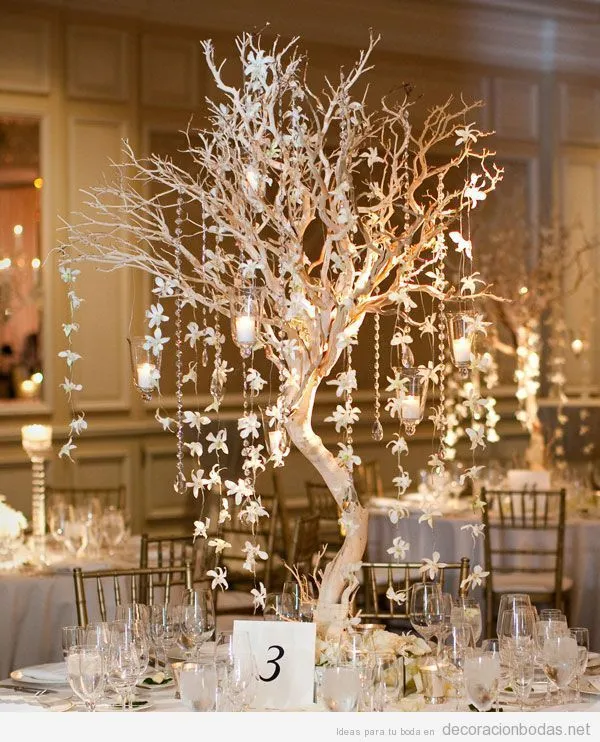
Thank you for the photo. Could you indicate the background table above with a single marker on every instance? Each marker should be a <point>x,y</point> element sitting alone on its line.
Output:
<point>581,563</point>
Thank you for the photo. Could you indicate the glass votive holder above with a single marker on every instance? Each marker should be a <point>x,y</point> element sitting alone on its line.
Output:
<point>434,684</point>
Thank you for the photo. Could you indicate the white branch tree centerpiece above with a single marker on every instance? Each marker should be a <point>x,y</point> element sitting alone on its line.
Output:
<point>277,168</point>
<point>536,286</point>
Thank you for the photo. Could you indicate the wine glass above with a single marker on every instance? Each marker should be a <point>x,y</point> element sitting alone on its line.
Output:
<point>75,536</point>
<point>492,647</point>
<point>444,627</point>
<point>197,620</point>
<point>278,607</point>
<point>123,667</point>
<point>517,632</point>
<point>453,658</point>
<point>198,685</point>
<point>386,676</point>
<point>552,623</point>
<point>72,636</point>
<point>481,673</point>
<point>241,679</point>
<point>292,588</point>
<point>509,602</point>
<point>58,516</point>
<point>521,671</point>
<point>85,671</point>
<point>469,610</point>
<point>113,528</point>
<point>425,608</point>
<point>560,662</point>
<point>582,637</point>
<point>341,688</point>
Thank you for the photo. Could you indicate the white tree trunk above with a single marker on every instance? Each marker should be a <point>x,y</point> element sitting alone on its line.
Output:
<point>339,481</point>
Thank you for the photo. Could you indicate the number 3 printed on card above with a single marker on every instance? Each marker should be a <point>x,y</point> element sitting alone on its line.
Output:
<point>275,662</point>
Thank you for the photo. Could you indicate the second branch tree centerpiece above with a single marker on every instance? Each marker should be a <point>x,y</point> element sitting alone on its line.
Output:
<point>301,212</point>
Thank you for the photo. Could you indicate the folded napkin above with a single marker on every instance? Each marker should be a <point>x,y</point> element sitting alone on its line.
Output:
<point>54,672</point>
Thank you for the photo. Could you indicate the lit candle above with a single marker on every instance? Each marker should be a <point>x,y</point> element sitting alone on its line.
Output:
<point>28,388</point>
<point>411,407</point>
<point>461,347</point>
<point>36,439</point>
<point>145,375</point>
<point>245,330</point>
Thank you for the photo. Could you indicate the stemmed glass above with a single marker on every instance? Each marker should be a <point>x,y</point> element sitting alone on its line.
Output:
<point>517,632</point>
<point>469,610</point>
<point>292,588</point>
<point>453,658</point>
<point>197,621</point>
<point>582,637</point>
<point>552,623</point>
<point>521,671</point>
<point>492,647</point>
<point>481,673</point>
<point>279,607</point>
<point>510,602</point>
<point>112,525</point>
<point>72,636</point>
<point>85,671</point>
<point>426,610</point>
<point>123,668</point>
<point>560,657</point>
<point>386,677</point>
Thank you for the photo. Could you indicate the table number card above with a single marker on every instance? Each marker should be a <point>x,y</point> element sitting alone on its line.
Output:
<point>285,658</point>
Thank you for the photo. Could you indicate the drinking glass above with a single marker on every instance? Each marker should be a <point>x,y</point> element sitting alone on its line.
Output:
<point>481,673</point>
<point>198,685</point>
<point>241,680</point>
<point>72,636</point>
<point>58,516</point>
<point>426,608</point>
<point>453,661</point>
<point>560,657</point>
<point>85,671</point>
<point>278,607</point>
<point>517,632</point>
<point>509,602</point>
<point>197,620</point>
<point>386,676</point>
<point>469,610</point>
<point>113,528</point>
<point>123,669</point>
<point>492,648</point>
<point>582,637</point>
<point>292,588</point>
<point>521,671</point>
<point>444,627</point>
<point>75,535</point>
<point>341,688</point>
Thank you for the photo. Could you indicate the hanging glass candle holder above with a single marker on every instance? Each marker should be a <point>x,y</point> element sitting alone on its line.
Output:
<point>413,396</point>
<point>460,330</point>
<point>245,318</point>
<point>145,367</point>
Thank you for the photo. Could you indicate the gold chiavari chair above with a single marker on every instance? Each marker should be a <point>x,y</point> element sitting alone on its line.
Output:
<point>173,551</point>
<point>367,478</point>
<point>142,585</point>
<point>380,577</point>
<point>512,519</point>
<point>108,497</point>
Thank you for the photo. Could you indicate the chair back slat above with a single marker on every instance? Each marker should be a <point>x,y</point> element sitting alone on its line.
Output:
<point>143,575</point>
<point>378,578</point>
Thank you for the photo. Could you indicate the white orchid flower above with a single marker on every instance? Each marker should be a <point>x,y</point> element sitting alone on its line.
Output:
<point>432,566</point>
<point>399,548</point>
<point>219,575</point>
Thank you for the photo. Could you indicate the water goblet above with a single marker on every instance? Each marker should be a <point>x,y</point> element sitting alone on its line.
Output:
<point>85,671</point>
<point>521,671</point>
<point>386,676</point>
<point>278,607</point>
<point>469,610</point>
<point>560,657</point>
<point>452,668</point>
<point>510,602</point>
<point>426,611</point>
<point>123,668</point>
<point>241,679</point>
<point>113,528</point>
<point>492,647</point>
<point>72,636</point>
<point>341,688</point>
<point>582,637</point>
<point>198,685</point>
<point>481,674</point>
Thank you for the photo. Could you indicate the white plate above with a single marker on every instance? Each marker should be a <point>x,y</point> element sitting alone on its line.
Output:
<point>22,676</point>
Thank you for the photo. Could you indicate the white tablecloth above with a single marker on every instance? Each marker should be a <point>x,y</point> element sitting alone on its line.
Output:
<point>582,554</point>
<point>35,607</point>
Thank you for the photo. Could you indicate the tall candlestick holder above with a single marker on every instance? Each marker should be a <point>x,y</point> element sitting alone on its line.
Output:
<point>37,443</point>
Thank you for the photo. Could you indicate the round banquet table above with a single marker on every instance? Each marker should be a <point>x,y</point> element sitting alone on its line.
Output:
<point>581,561</point>
<point>35,605</point>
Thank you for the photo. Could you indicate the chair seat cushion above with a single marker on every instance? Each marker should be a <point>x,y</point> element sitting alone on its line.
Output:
<point>528,582</point>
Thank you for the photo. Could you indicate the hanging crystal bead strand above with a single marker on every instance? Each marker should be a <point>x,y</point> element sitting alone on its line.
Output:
<point>179,485</point>
<point>377,429</point>
<point>204,357</point>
